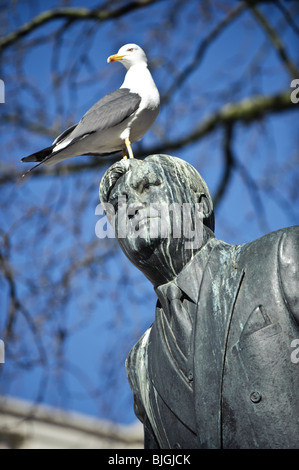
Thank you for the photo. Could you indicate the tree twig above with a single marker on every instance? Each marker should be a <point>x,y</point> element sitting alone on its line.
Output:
<point>275,40</point>
<point>201,49</point>
<point>71,14</point>
<point>229,164</point>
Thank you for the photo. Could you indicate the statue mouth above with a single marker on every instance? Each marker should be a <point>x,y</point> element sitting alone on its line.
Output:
<point>143,222</point>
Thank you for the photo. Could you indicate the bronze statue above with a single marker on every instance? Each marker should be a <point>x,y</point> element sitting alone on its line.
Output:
<point>215,369</point>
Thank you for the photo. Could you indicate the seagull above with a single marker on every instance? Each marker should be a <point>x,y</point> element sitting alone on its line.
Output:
<point>115,121</point>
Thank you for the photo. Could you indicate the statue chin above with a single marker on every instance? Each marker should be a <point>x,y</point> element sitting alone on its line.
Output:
<point>139,249</point>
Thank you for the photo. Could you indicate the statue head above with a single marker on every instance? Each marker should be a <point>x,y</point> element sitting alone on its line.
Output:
<point>161,211</point>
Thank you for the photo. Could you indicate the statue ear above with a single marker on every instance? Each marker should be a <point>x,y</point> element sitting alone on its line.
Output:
<point>207,208</point>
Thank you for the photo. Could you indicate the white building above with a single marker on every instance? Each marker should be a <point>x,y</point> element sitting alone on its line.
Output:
<point>25,425</point>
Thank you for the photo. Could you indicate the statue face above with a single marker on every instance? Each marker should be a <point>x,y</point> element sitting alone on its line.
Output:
<point>134,199</point>
<point>147,202</point>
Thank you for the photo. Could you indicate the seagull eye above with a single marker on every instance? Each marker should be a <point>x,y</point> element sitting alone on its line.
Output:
<point>131,49</point>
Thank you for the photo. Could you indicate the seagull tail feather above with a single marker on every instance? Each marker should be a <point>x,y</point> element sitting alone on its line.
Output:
<point>39,156</point>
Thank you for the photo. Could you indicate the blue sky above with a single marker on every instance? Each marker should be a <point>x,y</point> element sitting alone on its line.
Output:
<point>104,314</point>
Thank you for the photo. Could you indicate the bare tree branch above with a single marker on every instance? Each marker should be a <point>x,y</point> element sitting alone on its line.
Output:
<point>229,164</point>
<point>15,305</point>
<point>254,192</point>
<point>247,110</point>
<point>201,49</point>
<point>71,14</point>
<point>275,40</point>
<point>287,16</point>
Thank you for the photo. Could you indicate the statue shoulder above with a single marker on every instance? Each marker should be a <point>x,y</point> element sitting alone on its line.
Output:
<point>288,259</point>
<point>137,360</point>
<point>136,367</point>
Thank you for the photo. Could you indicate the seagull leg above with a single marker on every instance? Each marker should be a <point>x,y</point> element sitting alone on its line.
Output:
<point>129,148</point>
<point>125,156</point>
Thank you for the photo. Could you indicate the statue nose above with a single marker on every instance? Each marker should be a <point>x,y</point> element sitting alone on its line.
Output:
<point>134,210</point>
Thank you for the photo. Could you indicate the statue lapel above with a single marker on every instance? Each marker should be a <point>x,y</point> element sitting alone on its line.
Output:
<point>217,296</point>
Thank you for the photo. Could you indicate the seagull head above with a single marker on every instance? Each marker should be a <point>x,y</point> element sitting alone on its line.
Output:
<point>128,55</point>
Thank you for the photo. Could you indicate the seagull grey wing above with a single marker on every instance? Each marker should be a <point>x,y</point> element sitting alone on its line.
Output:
<point>64,134</point>
<point>106,113</point>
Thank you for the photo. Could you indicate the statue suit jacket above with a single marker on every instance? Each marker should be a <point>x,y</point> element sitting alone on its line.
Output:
<point>234,384</point>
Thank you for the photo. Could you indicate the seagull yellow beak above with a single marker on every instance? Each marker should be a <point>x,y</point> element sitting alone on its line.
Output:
<point>114,58</point>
